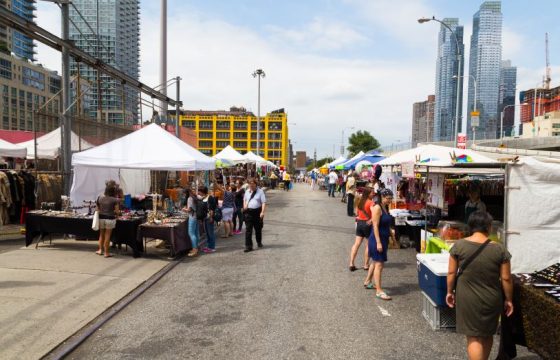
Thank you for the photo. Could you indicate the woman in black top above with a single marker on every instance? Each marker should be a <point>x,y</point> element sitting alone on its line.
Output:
<point>238,212</point>
<point>108,208</point>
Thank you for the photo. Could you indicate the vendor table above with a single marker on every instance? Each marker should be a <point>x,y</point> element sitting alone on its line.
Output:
<point>175,233</point>
<point>535,323</point>
<point>42,224</point>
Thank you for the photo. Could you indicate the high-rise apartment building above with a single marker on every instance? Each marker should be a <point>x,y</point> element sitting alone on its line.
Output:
<point>12,40</point>
<point>484,66</point>
<point>447,68</point>
<point>117,22</point>
<point>508,83</point>
<point>238,128</point>
<point>423,121</point>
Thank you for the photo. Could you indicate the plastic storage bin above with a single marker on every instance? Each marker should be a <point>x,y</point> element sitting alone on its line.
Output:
<point>438,317</point>
<point>432,276</point>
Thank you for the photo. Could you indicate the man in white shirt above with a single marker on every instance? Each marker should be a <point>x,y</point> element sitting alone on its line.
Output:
<point>254,205</point>
<point>333,178</point>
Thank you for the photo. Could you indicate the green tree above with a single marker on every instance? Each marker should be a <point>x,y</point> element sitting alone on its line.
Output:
<point>362,141</point>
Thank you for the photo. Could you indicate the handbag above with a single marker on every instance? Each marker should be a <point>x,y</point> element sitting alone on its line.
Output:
<point>95,223</point>
<point>466,263</point>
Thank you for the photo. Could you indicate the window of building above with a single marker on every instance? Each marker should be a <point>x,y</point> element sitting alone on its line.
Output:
<point>274,136</point>
<point>206,125</point>
<point>556,126</point>
<point>223,125</point>
<point>206,152</point>
<point>189,124</point>
<point>222,135</point>
<point>240,135</point>
<point>240,144</point>
<point>275,126</point>
<point>254,144</point>
<point>221,144</point>
<point>55,84</point>
<point>274,154</point>
<point>274,145</point>
<point>6,69</point>
<point>254,136</point>
<point>205,135</point>
<point>204,143</point>
<point>33,78</point>
<point>254,125</point>
<point>240,125</point>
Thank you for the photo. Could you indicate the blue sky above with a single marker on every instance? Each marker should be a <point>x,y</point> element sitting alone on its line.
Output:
<point>330,63</point>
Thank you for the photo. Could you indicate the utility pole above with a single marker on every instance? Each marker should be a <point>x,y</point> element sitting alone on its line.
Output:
<point>163,57</point>
<point>177,106</point>
<point>66,121</point>
<point>260,74</point>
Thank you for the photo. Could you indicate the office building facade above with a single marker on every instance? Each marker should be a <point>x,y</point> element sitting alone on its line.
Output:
<point>423,121</point>
<point>447,69</point>
<point>508,83</point>
<point>541,116</point>
<point>485,67</point>
<point>238,128</point>
<point>12,40</point>
<point>117,23</point>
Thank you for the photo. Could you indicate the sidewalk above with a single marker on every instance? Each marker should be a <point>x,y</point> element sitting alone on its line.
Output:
<point>47,294</point>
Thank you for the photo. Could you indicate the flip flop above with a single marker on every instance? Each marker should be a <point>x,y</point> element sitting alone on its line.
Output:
<point>99,252</point>
<point>383,296</point>
<point>369,286</point>
<point>366,268</point>
<point>352,268</point>
<point>108,256</point>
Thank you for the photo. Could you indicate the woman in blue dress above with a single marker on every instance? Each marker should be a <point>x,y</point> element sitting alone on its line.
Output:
<point>379,242</point>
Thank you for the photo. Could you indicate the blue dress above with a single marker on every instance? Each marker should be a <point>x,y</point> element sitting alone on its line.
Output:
<point>384,232</point>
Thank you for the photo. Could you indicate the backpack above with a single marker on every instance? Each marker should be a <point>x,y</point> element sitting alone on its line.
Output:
<point>217,214</point>
<point>201,209</point>
<point>213,205</point>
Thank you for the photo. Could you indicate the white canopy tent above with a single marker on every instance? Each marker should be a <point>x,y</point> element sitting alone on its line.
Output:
<point>229,153</point>
<point>7,149</point>
<point>251,157</point>
<point>149,148</point>
<point>338,161</point>
<point>48,145</point>
<point>434,155</point>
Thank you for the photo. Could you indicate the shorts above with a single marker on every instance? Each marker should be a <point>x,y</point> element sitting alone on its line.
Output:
<point>363,229</point>
<point>227,214</point>
<point>107,224</point>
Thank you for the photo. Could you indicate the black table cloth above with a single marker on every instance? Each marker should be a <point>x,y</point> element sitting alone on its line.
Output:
<point>176,234</point>
<point>125,231</point>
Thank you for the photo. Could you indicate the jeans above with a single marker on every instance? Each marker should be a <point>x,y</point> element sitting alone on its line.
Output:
<point>193,232</point>
<point>210,234</point>
<point>253,221</point>
<point>350,209</point>
<point>238,214</point>
<point>332,187</point>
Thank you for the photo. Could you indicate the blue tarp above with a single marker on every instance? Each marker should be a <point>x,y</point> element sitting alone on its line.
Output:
<point>370,157</point>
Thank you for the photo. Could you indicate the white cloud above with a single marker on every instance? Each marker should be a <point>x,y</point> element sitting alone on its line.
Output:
<point>513,44</point>
<point>320,34</point>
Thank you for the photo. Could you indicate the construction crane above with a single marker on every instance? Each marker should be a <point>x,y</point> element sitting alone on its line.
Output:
<point>547,78</point>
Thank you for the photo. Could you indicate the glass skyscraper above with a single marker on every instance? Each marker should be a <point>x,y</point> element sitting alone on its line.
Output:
<point>118,24</point>
<point>18,43</point>
<point>446,80</point>
<point>484,66</point>
<point>508,82</point>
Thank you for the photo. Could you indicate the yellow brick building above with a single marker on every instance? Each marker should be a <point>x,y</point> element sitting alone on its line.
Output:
<point>238,127</point>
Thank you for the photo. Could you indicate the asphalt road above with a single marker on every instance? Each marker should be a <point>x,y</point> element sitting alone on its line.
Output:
<point>293,299</point>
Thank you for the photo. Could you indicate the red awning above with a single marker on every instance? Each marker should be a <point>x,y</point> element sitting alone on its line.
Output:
<point>17,136</point>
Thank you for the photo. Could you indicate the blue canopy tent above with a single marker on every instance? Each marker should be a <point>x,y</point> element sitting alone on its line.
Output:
<point>369,157</point>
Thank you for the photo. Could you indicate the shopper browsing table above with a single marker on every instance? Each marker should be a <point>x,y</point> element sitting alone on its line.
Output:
<point>485,274</point>
<point>254,205</point>
<point>108,207</point>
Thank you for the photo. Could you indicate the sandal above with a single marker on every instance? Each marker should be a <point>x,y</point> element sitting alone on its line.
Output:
<point>99,252</point>
<point>369,286</point>
<point>383,296</point>
<point>366,268</point>
<point>108,255</point>
<point>352,268</point>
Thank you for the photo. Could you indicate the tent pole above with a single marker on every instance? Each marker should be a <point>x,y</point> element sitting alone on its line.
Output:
<point>425,215</point>
<point>506,193</point>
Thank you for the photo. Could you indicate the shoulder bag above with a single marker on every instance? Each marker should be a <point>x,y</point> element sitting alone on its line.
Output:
<point>251,198</point>
<point>466,263</point>
<point>95,222</point>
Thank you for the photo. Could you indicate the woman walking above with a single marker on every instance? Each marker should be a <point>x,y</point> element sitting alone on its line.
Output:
<point>227,211</point>
<point>190,209</point>
<point>108,207</point>
<point>238,210</point>
<point>485,273</point>
<point>379,242</point>
<point>363,228</point>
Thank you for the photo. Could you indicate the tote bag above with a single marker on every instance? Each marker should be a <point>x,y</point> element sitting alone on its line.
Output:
<point>95,223</point>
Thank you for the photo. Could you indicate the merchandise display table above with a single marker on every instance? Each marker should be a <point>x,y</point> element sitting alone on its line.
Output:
<point>535,323</point>
<point>174,232</point>
<point>42,223</point>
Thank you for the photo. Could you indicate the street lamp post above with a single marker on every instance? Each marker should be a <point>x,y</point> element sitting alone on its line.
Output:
<point>342,140</point>
<point>260,74</point>
<point>473,125</point>
<point>502,120</point>
<point>456,126</point>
